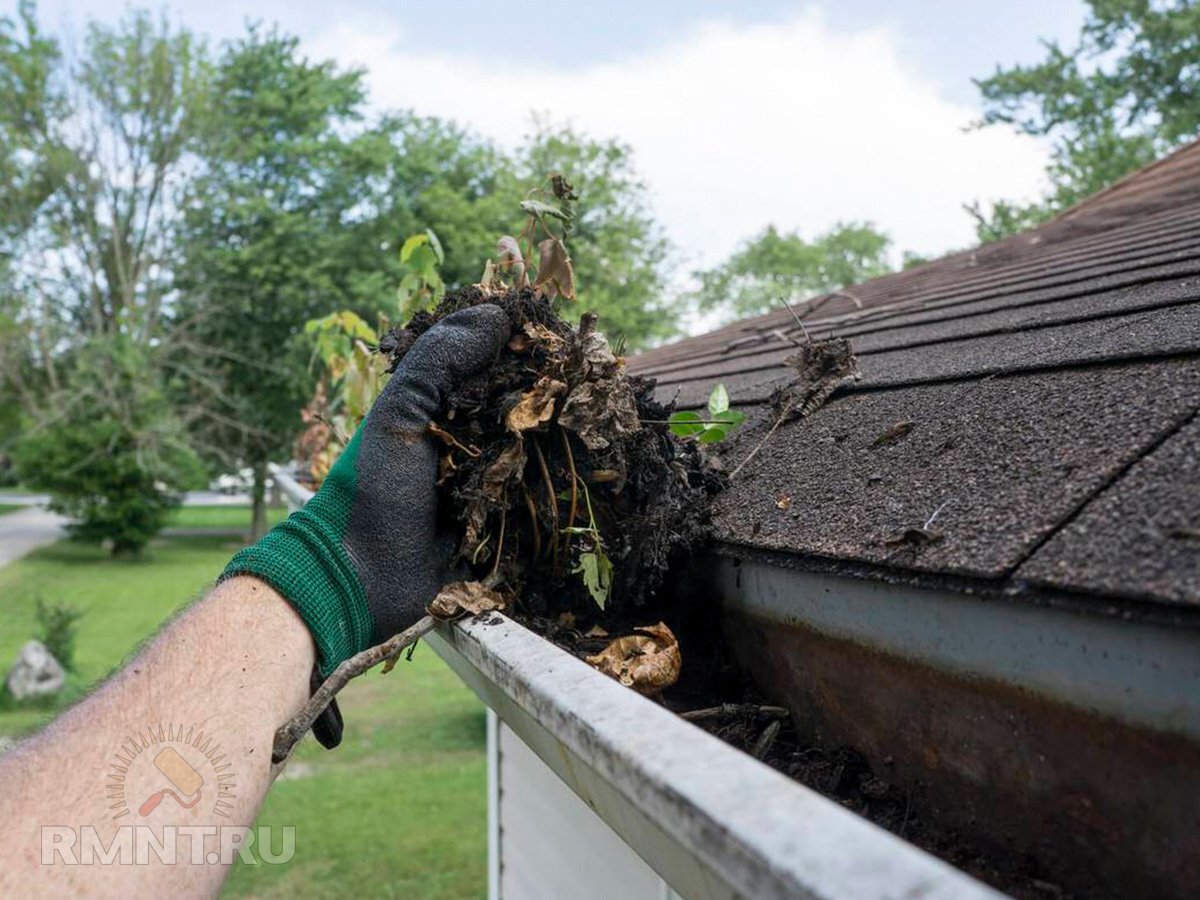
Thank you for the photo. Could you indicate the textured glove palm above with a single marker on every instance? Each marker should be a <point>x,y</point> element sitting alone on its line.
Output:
<point>363,557</point>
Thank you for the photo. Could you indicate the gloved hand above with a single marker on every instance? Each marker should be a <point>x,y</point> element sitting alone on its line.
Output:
<point>363,558</point>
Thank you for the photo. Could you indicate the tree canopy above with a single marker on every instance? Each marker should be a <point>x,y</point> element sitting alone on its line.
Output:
<point>782,266</point>
<point>1122,95</point>
<point>197,210</point>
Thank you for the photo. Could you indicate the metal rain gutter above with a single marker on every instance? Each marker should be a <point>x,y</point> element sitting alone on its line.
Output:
<point>712,821</point>
<point>1039,733</point>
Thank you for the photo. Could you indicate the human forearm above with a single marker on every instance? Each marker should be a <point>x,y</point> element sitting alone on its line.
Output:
<point>211,688</point>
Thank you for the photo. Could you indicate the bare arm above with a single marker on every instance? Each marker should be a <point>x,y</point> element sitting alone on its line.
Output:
<point>180,740</point>
<point>194,714</point>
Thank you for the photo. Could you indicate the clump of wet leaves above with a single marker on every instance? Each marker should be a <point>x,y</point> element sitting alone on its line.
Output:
<point>568,491</point>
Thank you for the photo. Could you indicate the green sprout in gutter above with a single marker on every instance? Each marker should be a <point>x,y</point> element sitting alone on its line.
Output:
<point>594,565</point>
<point>721,419</point>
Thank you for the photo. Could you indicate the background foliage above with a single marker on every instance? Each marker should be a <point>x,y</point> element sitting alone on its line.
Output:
<point>195,206</point>
<point>1122,96</point>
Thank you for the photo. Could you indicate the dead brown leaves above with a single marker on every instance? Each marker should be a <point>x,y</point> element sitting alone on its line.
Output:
<point>509,259</point>
<point>535,335</point>
<point>536,405</point>
<point>601,406</point>
<point>647,661</point>
<point>504,470</point>
<point>821,368</point>
<point>555,274</point>
<point>462,598</point>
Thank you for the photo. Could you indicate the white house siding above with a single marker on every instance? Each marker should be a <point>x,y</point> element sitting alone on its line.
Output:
<point>547,843</point>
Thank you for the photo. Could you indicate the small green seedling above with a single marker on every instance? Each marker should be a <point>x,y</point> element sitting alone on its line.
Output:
<point>721,419</point>
<point>594,565</point>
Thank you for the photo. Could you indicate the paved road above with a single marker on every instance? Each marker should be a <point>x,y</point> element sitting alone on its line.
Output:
<point>192,498</point>
<point>26,530</point>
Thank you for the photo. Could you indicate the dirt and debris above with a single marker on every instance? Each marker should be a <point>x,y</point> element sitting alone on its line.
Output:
<point>576,511</point>
<point>821,367</point>
<point>896,433</point>
<point>719,697</point>
<point>567,490</point>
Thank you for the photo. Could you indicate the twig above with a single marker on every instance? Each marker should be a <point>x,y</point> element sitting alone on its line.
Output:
<point>447,438</point>
<point>492,577</point>
<point>688,422</point>
<point>296,727</point>
<point>937,512</point>
<point>763,745</point>
<point>735,709</point>
<point>553,501</point>
<point>796,316</point>
<point>783,414</point>
<point>566,441</point>
<point>533,517</point>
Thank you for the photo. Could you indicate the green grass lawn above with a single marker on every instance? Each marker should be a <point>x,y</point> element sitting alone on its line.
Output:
<point>398,810</point>
<point>9,507</point>
<point>219,517</point>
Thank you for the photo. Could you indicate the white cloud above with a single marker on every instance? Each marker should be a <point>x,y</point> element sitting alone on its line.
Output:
<point>737,126</point>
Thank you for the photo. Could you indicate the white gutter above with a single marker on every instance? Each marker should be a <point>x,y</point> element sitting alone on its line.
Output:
<point>296,493</point>
<point>713,822</point>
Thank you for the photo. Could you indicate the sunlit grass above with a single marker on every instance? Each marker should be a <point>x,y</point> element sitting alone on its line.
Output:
<point>399,810</point>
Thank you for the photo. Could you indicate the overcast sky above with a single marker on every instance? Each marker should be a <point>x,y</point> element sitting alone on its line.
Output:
<point>740,113</point>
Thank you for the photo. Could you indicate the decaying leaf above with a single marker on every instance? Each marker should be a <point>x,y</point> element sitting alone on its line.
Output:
<point>821,368</point>
<point>506,468</point>
<point>647,661</point>
<point>534,335</point>
<point>555,274</point>
<point>509,259</point>
<point>600,410</point>
<point>536,405</point>
<point>591,354</point>
<point>463,598</point>
<point>893,434</point>
<point>602,405</point>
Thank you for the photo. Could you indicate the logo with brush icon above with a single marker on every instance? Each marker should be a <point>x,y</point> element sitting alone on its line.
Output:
<point>170,769</point>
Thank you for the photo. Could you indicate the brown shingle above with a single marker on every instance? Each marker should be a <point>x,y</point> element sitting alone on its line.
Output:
<point>1140,538</point>
<point>1035,371</point>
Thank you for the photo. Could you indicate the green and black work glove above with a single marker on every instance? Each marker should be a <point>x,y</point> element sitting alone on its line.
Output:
<point>363,558</point>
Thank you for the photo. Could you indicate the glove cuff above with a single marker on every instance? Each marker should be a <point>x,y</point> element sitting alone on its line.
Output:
<point>303,559</point>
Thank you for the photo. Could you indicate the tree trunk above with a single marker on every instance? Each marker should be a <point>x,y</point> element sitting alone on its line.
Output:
<point>258,522</point>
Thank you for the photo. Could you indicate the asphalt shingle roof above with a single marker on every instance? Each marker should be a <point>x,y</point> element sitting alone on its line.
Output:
<point>1049,384</point>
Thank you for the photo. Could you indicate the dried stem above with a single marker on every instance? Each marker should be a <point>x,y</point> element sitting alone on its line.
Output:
<point>533,517</point>
<point>296,727</point>
<point>735,709</point>
<point>552,500</point>
<point>783,414</point>
<point>494,575</point>
<point>765,740</point>
<point>566,441</point>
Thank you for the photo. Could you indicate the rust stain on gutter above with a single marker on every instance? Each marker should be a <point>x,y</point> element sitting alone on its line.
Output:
<point>1105,808</point>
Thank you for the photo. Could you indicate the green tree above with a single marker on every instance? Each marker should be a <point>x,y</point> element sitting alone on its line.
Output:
<point>284,222</point>
<point>1124,94</point>
<point>114,456</point>
<point>777,266</point>
<point>93,146</point>
<point>617,249</point>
